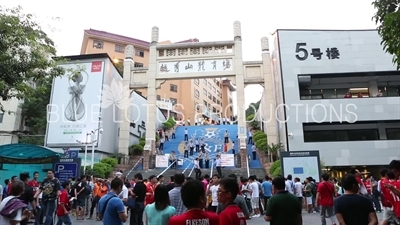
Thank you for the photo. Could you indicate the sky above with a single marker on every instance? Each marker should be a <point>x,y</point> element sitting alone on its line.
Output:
<point>206,20</point>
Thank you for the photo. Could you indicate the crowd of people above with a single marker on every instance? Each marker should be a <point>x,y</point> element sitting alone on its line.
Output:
<point>207,200</point>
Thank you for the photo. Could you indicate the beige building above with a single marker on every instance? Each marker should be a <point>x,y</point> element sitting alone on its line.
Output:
<point>186,99</point>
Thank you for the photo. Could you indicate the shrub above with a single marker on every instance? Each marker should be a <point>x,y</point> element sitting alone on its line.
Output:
<point>142,142</point>
<point>262,145</point>
<point>253,122</point>
<point>136,149</point>
<point>110,161</point>
<point>275,169</point>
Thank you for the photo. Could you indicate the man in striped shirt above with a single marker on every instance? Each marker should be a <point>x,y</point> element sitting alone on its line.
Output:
<point>175,194</point>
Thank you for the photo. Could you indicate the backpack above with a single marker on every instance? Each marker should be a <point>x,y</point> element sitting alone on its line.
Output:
<point>88,189</point>
<point>11,208</point>
<point>313,189</point>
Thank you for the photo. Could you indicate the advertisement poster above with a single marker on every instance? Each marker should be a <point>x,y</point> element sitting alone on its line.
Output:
<point>301,164</point>
<point>161,161</point>
<point>227,160</point>
<point>74,107</point>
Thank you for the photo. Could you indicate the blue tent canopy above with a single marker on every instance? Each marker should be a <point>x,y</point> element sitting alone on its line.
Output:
<point>27,151</point>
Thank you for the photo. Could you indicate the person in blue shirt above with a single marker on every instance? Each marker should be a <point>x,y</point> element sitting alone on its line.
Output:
<point>267,187</point>
<point>111,209</point>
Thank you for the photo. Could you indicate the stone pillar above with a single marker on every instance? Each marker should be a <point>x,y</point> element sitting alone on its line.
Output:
<point>373,88</point>
<point>269,109</point>
<point>241,116</point>
<point>151,122</point>
<point>125,114</point>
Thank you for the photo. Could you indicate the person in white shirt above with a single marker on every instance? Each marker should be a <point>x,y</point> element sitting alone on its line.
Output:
<point>218,165</point>
<point>233,147</point>
<point>213,191</point>
<point>250,141</point>
<point>298,190</point>
<point>289,185</point>
<point>1,193</point>
<point>254,151</point>
<point>197,144</point>
<point>255,196</point>
<point>197,168</point>
<point>161,148</point>
<point>124,193</point>
<point>186,135</point>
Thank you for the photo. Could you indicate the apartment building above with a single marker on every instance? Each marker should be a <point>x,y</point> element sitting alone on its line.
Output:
<point>337,92</point>
<point>185,99</point>
<point>11,122</point>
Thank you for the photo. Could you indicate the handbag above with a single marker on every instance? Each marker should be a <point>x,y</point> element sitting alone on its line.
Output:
<point>130,202</point>
<point>11,208</point>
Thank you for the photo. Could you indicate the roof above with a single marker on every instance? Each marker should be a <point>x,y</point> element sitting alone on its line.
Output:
<point>122,38</point>
<point>228,83</point>
<point>27,151</point>
<point>118,37</point>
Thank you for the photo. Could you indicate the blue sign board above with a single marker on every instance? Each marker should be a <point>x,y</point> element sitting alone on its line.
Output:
<point>73,153</point>
<point>65,168</point>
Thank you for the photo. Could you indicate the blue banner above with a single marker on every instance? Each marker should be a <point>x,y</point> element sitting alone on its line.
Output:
<point>65,168</point>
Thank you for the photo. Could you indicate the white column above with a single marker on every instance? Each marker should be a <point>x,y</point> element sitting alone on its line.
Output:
<point>125,114</point>
<point>373,88</point>
<point>269,107</point>
<point>239,70</point>
<point>151,93</point>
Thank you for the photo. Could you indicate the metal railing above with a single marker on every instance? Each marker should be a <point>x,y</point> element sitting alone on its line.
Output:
<point>212,168</point>
<point>191,171</point>
<point>165,170</point>
<point>187,167</point>
<point>247,165</point>
<point>134,166</point>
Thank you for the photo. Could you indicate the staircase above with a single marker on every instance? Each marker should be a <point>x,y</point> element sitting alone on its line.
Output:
<point>259,172</point>
<point>213,137</point>
<point>125,168</point>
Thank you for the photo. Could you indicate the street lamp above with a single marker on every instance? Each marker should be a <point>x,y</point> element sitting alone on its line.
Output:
<point>92,133</point>
<point>86,143</point>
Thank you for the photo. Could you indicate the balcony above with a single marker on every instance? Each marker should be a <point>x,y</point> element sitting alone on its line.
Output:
<point>164,105</point>
<point>207,113</point>
<point>349,85</point>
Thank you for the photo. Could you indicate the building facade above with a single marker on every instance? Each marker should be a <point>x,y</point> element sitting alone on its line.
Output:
<point>11,123</point>
<point>185,99</point>
<point>337,92</point>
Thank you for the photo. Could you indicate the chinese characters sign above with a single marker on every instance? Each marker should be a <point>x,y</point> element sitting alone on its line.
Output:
<point>198,66</point>
<point>302,52</point>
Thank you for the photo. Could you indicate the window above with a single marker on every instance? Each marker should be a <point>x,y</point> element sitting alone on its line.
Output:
<point>204,91</point>
<point>196,82</point>
<point>209,96</point>
<point>219,94</point>
<point>214,90</point>
<point>205,81</point>
<point>158,97</point>
<point>138,64</point>
<point>173,88</point>
<point>231,108</point>
<point>218,102</point>
<point>1,117</point>
<point>391,133</point>
<point>209,85</point>
<point>119,48</point>
<point>196,93</point>
<point>341,135</point>
<point>230,100</point>
<point>205,103</point>
<point>214,110</point>
<point>174,101</point>
<point>214,99</point>
<point>98,44</point>
<point>139,53</point>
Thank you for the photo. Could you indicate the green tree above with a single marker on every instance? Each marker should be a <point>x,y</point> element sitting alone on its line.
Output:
<point>252,122</point>
<point>387,18</point>
<point>252,109</point>
<point>26,54</point>
<point>34,110</point>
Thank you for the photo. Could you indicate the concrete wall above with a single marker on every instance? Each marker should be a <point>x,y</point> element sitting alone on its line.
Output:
<point>360,51</point>
<point>11,121</point>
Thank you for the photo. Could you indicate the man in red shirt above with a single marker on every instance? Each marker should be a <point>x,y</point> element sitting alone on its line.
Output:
<point>386,197</point>
<point>150,188</point>
<point>227,192</point>
<point>34,184</point>
<point>195,200</point>
<point>324,198</point>
<point>13,179</point>
<point>63,206</point>
<point>394,187</point>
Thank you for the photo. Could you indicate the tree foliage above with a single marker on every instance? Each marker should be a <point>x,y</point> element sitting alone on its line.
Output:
<point>387,17</point>
<point>252,109</point>
<point>26,54</point>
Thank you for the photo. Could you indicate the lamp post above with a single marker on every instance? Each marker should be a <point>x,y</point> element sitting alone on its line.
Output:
<point>92,133</point>
<point>86,149</point>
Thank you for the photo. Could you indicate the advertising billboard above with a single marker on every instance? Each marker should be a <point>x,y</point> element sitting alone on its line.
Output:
<point>301,164</point>
<point>74,107</point>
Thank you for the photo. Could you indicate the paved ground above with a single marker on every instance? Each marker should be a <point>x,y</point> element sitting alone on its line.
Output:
<point>308,219</point>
